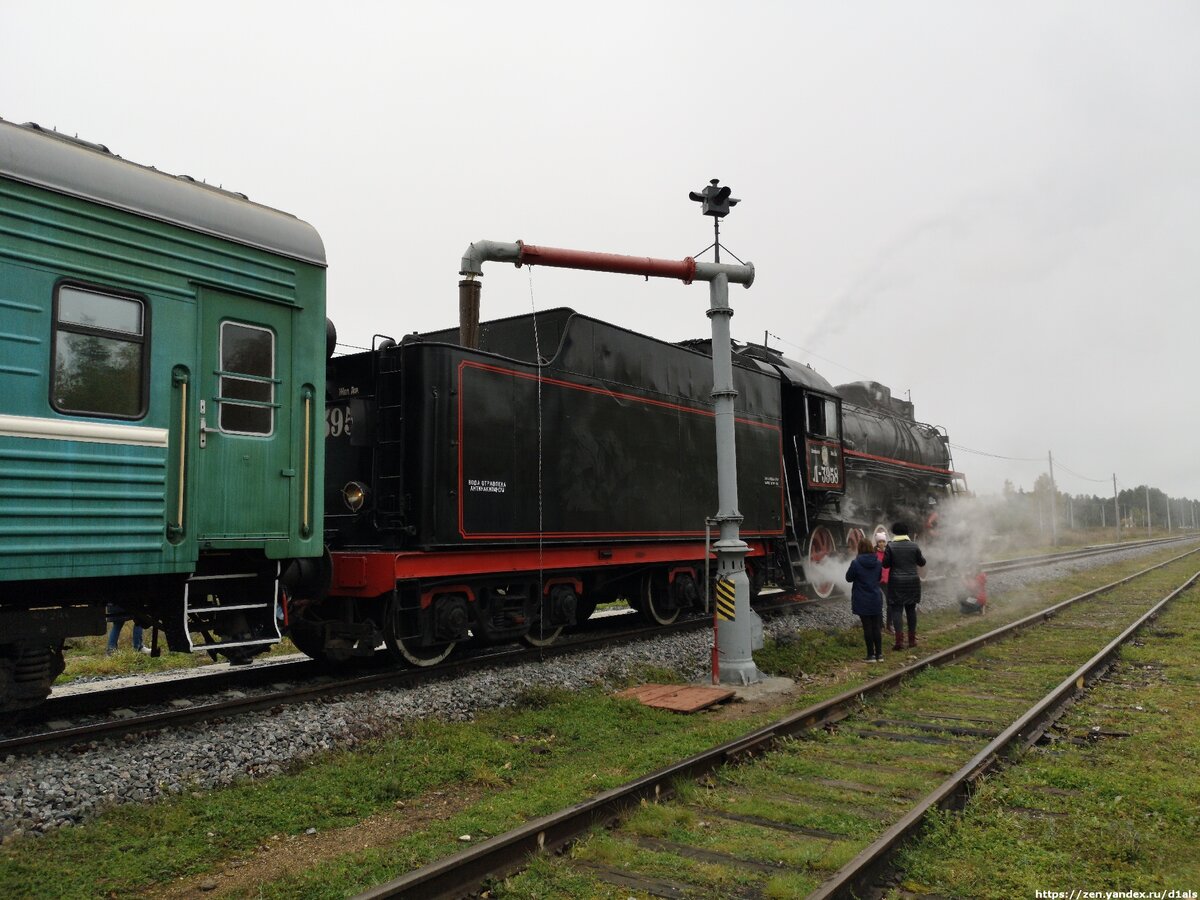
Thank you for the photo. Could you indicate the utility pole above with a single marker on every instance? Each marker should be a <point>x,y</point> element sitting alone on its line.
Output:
<point>1053,504</point>
<point>1168,515</point>
<point>1116,508</point>
<point>1148,532</point>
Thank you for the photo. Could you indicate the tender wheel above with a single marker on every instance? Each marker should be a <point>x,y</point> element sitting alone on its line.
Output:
<point>559,604</point>
<point>821,550</point>
<point>403,637</point>
<point>654,601</point>
<point>535,637</point>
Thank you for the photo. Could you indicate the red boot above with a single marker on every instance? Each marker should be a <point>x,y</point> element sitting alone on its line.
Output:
<point>899,641</point>
<point>912,638</point>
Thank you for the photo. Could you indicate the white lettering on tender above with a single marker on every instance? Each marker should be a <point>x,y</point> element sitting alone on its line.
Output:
<point>484,486</point>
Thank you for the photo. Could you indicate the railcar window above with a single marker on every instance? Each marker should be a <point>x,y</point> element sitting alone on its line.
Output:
<point>247,379</point>
<point>99,354</point>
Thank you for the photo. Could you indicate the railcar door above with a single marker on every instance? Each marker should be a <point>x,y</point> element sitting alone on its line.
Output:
<point>244,485</point>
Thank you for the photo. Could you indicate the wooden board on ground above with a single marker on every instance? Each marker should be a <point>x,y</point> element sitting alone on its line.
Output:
<point>686,698</point>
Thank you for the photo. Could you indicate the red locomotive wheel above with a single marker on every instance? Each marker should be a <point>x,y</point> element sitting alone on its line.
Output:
<point>853,536</point>
<point>821,547</point>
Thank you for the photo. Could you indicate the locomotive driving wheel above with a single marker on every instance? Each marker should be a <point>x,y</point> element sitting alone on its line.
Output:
<point>403,635</point>
<point>821,547</point>
<point>853,536</point>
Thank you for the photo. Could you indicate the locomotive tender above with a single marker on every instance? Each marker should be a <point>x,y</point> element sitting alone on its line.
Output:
<point>163,351</point>
<point>503,491</point>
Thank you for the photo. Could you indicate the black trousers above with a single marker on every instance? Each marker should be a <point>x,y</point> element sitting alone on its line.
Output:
<point>872,628</point>
<point>897,614</point>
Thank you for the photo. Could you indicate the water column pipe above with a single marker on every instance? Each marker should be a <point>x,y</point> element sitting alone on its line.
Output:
<point>740,637</point>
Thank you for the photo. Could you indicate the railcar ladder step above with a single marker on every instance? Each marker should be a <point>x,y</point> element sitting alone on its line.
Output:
<point>204,613</point>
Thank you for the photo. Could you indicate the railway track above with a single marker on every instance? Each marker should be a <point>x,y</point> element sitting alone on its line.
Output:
<point>833,789</point>
<point>125,721</point>
<point>1028,562</point>
<point>169,702</point>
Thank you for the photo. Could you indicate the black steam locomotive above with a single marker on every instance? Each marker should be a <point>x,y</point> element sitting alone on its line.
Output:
<point>502,492</point>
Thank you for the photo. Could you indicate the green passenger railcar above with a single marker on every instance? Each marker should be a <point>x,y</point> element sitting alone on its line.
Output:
<point>162,379</point>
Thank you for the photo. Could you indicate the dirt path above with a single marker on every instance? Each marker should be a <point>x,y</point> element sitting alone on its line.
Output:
<point>284,854</point>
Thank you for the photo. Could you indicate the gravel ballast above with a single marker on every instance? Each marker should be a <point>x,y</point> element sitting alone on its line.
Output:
<point>42,793</point>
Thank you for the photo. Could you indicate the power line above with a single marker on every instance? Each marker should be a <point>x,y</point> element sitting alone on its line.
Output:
<point>1036,459</point>
<point>818,356</point>
<point>1077,475</point>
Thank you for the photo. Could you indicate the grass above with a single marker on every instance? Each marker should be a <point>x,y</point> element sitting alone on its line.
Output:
<point>88,657</point>
<point>556,748</point>
<point>1115,814</point>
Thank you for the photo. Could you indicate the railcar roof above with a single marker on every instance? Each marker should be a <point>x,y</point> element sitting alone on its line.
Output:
<point>30,154</point>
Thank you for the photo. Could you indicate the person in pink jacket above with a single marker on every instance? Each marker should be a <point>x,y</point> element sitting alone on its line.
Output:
<point>881,539</point>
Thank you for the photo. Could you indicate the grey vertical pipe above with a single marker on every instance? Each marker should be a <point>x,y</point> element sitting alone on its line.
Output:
<point>741,637</point>
<point>1148,532</point>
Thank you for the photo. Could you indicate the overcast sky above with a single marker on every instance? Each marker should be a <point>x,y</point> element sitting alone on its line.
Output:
<point>994,206</point>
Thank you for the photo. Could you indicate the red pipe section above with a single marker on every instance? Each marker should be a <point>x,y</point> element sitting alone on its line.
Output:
<point>556,257</point>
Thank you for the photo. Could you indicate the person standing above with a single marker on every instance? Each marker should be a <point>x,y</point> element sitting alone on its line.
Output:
<point>881,539</point>
<point>865,600</point>
<point>903,559</point>
<point>119,617</point>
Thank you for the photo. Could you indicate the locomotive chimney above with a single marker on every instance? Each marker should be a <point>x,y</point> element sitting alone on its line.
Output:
<point>468,313</point>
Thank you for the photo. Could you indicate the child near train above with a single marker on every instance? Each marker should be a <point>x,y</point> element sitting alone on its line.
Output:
<point>866,601</point>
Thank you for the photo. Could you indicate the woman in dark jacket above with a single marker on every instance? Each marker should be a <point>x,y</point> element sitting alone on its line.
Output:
<point>865,599</point>
<point>904,558</point>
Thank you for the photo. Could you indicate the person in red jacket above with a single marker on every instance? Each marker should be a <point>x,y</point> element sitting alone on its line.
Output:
<point>976,599</point>
<point>881,540</point>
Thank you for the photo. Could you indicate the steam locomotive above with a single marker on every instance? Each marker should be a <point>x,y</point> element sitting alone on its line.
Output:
<point>502,492</point>
<point>165,361</point>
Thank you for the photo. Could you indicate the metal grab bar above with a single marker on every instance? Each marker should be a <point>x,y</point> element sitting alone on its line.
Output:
<point>181,379</point>
<point>304,518</point>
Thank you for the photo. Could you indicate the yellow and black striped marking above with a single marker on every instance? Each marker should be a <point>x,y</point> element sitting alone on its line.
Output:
<point>726,599</point>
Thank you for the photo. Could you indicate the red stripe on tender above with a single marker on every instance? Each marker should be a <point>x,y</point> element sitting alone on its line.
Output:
<point>374,573</point>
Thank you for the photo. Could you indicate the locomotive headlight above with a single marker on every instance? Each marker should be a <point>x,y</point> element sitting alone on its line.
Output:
<point>355,495</point>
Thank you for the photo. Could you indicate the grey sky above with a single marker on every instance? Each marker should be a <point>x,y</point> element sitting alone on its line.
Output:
<point>993,205</point>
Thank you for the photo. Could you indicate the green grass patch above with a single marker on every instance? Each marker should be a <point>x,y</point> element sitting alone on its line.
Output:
<point>89,657</point>
<point>1118,813</point>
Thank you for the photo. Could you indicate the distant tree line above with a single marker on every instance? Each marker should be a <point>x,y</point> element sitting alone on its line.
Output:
<point>1045,510</point>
